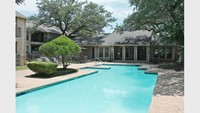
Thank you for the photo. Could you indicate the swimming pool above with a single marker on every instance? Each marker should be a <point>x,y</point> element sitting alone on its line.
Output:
<point>120,89</point>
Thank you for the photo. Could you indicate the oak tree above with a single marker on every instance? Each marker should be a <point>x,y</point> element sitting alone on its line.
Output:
<point>73,17</point>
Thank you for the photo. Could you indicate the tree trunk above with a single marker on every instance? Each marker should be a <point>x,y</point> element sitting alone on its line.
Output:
<point>63,62</point>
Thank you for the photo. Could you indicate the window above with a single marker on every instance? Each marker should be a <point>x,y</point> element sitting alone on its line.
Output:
<point>37,37</point>
<point>156,50</point>
<point>169,52</point>
<point>162,52</point>
<point>106,51</point>
<point>117,53</point>
<point>129,52</point>
<point>101,52</point>
<point>141,52</point>
<point>19,31</point>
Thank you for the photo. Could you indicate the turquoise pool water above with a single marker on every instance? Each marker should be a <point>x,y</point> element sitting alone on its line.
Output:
<point>120,89</point>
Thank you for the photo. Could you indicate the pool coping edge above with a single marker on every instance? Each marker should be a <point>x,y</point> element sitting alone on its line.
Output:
<point>53,83</point>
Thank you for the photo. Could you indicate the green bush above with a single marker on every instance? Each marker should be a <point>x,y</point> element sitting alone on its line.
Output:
<point>62,48</point>
<point>43,67</point>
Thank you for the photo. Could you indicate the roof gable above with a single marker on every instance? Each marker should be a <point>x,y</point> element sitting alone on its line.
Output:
<point>139,37</point>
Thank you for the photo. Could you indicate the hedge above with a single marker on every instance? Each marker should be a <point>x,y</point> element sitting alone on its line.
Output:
<point>43,67</point>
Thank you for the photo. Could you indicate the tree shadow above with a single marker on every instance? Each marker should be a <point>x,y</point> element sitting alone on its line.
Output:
<point>169,82</point>
<point>143,39</point>
<point>97,40</point>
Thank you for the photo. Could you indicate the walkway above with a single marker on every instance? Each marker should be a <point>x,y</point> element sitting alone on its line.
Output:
<point>26,83</point>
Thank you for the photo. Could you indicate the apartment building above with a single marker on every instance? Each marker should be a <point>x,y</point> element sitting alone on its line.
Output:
<point>20,43</point>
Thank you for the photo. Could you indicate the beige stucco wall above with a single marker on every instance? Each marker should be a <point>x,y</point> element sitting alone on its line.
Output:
<point>96,51</point>
<point>135,53</point>
<point>21,41</point>
<point>123,53</point>
<point>147,53</point>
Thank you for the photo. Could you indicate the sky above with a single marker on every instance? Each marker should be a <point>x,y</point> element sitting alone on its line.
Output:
<point>120,9</point>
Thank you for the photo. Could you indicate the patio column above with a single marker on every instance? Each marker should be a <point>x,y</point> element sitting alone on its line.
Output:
<point>147,53</point>
<point>135,53</point>
<point>123,53</point>
<point>112,53</point>
<point>96,52</point>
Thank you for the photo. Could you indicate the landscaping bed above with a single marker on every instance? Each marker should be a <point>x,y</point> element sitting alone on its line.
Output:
<point>59,72</point>
<point>172,65</point>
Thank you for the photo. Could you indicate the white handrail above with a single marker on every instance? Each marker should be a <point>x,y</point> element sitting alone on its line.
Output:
<point>98,60</point>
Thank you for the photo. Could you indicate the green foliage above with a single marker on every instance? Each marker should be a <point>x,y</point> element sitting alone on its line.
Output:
<point>19,1</point>
<point>62,48</point>
<point>59,72</point>
<point>74,18</point>
<point>21,67</point>
<point>171,65</point>
<point>48,49</point>
<point>42,67</point>
<point>164,17</point>
<point>66,71</point>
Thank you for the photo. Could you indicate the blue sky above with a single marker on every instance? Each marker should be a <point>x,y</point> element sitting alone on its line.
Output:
<point>119,8</point>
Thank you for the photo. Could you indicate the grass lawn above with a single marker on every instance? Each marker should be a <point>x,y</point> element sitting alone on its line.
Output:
<point>21,67</point>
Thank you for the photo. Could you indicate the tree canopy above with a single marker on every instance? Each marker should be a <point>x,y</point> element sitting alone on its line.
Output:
<point>19,1</point>
<point>72,17</point>
<point>62,48</point>
<point>164,17</point>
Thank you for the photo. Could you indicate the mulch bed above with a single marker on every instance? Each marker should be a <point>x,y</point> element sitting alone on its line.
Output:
<point>60,72</point>
<point>172,65</point>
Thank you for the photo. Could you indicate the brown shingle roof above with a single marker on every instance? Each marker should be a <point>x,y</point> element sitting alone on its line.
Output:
<point>139,37</point>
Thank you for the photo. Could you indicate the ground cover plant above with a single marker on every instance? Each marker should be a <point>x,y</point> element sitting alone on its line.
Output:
<point>39,67</point>
<point>59,72</point>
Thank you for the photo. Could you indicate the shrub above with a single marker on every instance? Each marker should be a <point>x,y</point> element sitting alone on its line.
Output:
<point>62,48</point>
<point>43,67</point>
<point>172,65</point>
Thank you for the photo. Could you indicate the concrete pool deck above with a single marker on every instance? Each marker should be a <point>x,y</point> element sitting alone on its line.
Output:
<point>24,83</point>
<point>168,94</point>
